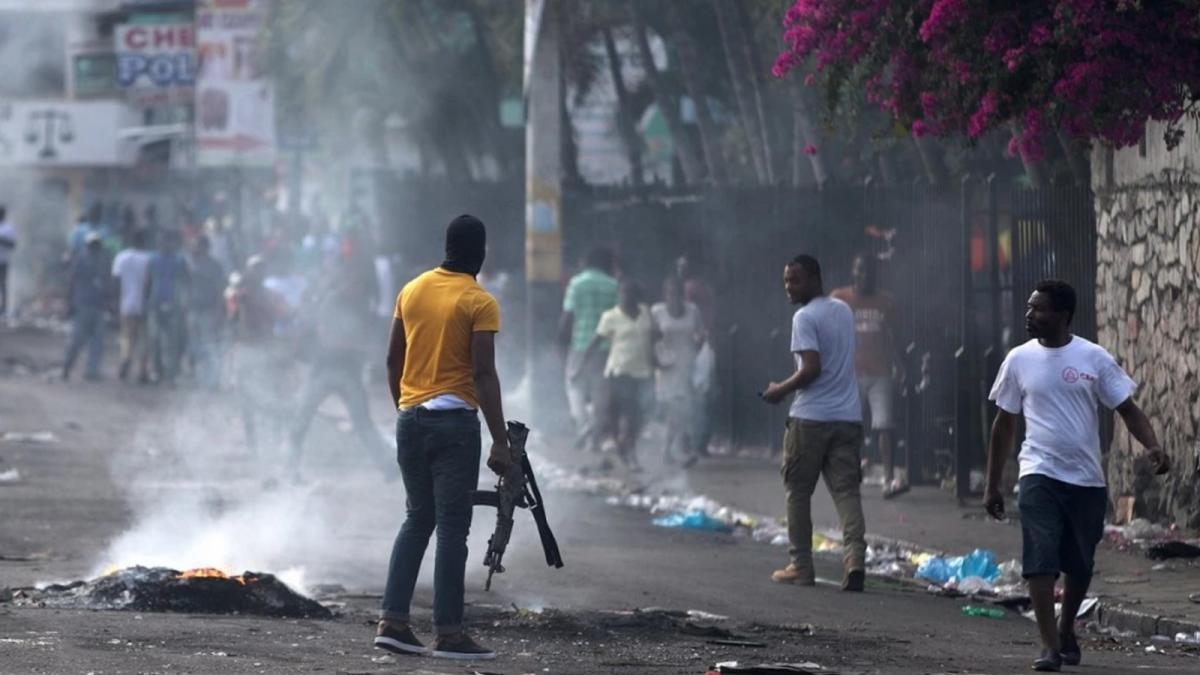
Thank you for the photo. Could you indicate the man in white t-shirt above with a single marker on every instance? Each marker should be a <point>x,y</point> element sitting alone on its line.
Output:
<point>132,268</point>
<point>1057,381</point>
<point>824,428</point>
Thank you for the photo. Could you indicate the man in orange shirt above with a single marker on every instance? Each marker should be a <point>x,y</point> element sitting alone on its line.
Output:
<point>875,359</point>
<point>441,369</point>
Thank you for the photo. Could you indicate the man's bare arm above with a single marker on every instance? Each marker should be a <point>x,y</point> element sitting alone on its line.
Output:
<point>395,359</point>
<point>999,449</point>
<point>487,388</point>
<point>1139,425</point>
<point>810,370</point>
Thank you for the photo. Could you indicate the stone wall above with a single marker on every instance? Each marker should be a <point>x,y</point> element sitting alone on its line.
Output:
<point>1148,313</point>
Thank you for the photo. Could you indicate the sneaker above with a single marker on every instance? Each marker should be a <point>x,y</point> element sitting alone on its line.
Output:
<point>1070,652</point>
<point>398,639</point>
<point>1049,662</point>
<point>793,575</point>
<point>855,581</point>
<point>460,646</point>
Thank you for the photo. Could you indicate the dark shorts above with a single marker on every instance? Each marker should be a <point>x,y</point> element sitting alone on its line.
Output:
<point>1060,526</point>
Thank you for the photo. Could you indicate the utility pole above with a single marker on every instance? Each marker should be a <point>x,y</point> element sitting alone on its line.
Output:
<point>543,197</point>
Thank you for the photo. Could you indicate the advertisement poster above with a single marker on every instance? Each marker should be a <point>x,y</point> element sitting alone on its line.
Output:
<point>235,107</point>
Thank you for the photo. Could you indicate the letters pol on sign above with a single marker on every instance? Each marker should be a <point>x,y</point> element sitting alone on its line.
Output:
<point>156,63</point>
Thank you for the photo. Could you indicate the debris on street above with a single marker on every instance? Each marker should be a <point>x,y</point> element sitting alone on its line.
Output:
<point>160,589</point>
<point>806,668</point>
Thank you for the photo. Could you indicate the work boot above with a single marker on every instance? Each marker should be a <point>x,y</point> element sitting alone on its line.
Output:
<point>460,646</point>
<point>1049,662</point>
<point>854,581</point>
<point>794,575</point>
<point>1071,654</point>
<point>398,639</point>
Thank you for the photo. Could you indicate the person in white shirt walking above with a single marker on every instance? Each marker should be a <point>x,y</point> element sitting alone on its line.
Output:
<point>1056,381</point>
<point>132,268</point>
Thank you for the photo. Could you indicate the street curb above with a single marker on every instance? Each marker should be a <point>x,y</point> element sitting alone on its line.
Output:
<point>1143,624</point>
<point>1112,615</point>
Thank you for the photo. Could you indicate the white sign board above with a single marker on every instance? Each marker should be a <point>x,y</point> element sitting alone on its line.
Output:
<point>156,63</point>
<point>65,133</point>
<point>235,106</point>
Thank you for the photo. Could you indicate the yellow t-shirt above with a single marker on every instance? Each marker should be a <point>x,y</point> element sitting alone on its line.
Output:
<point>440,310</point>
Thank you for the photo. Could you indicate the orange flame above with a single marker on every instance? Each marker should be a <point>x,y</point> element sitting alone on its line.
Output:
<point>209,573</point>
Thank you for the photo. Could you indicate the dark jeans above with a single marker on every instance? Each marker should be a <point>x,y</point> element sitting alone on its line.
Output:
<point>439,453</point>
<point>168,335</point>
<point>87,329</point>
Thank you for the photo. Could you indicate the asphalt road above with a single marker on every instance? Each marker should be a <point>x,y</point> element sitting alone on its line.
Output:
<point>154,476</point>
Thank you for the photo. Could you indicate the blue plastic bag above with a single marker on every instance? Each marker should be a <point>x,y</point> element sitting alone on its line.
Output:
<point>694,520</point>
<point>978,563</point>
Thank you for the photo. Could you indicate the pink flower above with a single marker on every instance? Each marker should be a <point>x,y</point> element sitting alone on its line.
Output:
<point>920,129</point>
<point>1040,34</point>
<point>981,120</point>
<point>810,149</point>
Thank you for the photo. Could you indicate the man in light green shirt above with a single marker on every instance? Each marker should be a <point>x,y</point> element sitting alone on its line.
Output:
<point>589,294</point>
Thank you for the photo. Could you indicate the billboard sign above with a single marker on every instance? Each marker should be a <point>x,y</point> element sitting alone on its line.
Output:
<point>235,104</point>
<point>65,133</point>
<point>156,62</point>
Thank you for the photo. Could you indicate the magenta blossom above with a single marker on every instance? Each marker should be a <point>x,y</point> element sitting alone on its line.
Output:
<point>1094,69</point>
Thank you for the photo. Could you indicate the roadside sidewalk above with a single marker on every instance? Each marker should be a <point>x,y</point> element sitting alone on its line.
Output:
<point>1137,594</point>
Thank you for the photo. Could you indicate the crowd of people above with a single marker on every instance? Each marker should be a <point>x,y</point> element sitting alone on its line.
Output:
<point>623,358</point>
<point>182,305</point>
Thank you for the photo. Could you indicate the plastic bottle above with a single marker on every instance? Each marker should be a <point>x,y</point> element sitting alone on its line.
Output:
<point>989,612</point>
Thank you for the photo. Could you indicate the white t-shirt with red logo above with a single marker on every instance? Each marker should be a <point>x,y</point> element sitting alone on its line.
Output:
<point>1059,390</point>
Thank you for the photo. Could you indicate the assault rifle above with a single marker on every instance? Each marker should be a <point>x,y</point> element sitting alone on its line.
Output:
<point>517,488</point>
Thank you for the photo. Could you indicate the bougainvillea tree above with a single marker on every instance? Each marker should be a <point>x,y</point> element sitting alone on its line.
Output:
<point>1093,69</point>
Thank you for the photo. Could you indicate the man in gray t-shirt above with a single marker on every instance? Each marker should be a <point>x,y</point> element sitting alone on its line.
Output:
<point>824,429</point>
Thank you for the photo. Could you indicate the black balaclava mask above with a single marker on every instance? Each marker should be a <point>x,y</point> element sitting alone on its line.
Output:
<point>466,243</point>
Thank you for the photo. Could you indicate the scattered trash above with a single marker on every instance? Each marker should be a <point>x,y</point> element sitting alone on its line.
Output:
<point>1085,607</point>
<point>989,612</point>
<point>27,437</point>
<point>1121,581</point>
<point>706,616</point>
<point>979,563</point>
<point>1173,549</point>
<point>806,668</point>
<point>974,585</point>
<point>10,476</point>
<point>1123,513</point>
<point>739,643</point>
<point>694,520</point>
<point>1188,638</point>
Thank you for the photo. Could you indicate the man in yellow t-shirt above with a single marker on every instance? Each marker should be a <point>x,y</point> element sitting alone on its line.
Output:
<point>441,369</point>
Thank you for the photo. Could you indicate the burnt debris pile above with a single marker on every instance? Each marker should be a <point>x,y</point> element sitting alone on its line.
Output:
<point>160,589</point>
